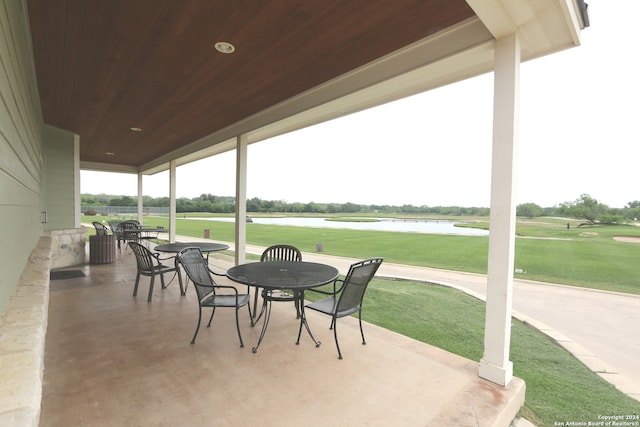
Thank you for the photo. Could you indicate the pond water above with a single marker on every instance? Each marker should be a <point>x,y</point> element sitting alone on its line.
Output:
<point>383,224</point>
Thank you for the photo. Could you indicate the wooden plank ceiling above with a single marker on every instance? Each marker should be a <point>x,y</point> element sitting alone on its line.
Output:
<point>106,66</point>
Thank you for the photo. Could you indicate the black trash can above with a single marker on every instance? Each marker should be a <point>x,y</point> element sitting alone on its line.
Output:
<point>102,249</point>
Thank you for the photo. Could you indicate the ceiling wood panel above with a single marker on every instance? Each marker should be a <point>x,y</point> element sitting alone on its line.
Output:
<point>104,66</point>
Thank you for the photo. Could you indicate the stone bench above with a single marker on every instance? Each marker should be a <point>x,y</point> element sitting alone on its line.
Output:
<point>23,328</point>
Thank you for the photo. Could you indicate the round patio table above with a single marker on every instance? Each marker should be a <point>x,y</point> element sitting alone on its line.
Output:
<point>295,276</point>
<point>205,248</point>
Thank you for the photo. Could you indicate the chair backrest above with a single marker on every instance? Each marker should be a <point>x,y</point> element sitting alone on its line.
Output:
<point>281,253</point>
<point>197,268</point>
<point>355,285</point>
<point>101,229</point>
<point>125,227</point>
<point>113,225</point>
<point>144,257</point>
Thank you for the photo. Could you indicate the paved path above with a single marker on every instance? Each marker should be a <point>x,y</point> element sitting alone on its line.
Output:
<point>600,328</point>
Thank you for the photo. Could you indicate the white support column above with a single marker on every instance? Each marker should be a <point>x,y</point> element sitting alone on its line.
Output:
<point>140,204</point>
<point>241,199</point>
<point>172,201</point>
<point>77,199</point>
<point>495,365</point>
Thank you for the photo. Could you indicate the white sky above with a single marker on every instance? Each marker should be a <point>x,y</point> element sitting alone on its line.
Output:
<point>578,134</point>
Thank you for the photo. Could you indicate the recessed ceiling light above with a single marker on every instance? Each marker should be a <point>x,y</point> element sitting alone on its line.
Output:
<point>109,153</point>
<point>225,47</point>
<point>136,129</point>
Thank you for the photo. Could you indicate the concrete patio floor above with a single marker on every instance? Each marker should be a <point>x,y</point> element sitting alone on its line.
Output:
<point>114,359</point>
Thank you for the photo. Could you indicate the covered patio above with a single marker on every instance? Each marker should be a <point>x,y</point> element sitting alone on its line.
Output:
<point>112,359</point>
<point>143,87</point>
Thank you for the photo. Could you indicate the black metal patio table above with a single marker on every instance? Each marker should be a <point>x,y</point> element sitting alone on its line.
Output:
<point>146,233</point>
<point>205,247</point>
<point>295,276</point>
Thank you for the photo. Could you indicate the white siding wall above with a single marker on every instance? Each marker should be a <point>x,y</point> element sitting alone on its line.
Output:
<point>59,179</point>
<point>21,152</point>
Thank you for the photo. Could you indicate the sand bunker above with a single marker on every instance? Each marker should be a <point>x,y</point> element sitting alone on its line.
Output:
<point>627,239</point>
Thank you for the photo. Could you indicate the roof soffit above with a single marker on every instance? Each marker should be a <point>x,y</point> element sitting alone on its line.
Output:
<point>543,26</point>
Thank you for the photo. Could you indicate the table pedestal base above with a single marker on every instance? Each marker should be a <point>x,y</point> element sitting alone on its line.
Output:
<point>266,311</point>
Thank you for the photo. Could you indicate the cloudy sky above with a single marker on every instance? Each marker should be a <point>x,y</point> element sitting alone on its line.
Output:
<point>578,134</point>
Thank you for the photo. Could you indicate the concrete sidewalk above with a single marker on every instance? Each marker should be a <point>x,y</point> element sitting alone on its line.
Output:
<point>600,328</point>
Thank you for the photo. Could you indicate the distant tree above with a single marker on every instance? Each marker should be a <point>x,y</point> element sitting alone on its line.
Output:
<point>409,209</point>
<point>297,207</point>
<point>350,207</point>
<point>333,208</point>
<point>634,204</point>
<point>254,204</point>
<point>529,210</point>
<point>123,201</point>
<point>102,199</point>
<point>586,207</point>
<point>224,207</point>
<point>611,219</point>
<point>631,213</point>
<point>88,200</point>
<point>185,205</point>
<point>162,202</point>
<point>205,206</point>
<point>312,207</point>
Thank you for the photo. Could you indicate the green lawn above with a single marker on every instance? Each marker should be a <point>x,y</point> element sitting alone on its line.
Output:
<point>545,249</point>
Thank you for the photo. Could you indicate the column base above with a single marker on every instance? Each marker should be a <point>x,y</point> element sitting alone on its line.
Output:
<point>500,375</point>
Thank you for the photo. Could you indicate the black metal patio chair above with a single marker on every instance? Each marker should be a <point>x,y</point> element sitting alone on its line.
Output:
<point>126,231</point>
<point>149,265</point>
<point>101,229</point>
<point>208,291</point>
<point>347,298</point>
<point>115,230</point>
<point>277,253</point>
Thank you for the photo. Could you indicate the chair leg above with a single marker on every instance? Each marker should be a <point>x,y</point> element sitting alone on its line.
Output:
<point>361,331</point>
<point>135,288</point>
<point>335,335</point>
<point>213,311</point>
<point>193,340</point>
<point>151,288</point>
<point>238,326</point>
<point>162,281</point>
<point>186,285</point>
<point>182,290</point>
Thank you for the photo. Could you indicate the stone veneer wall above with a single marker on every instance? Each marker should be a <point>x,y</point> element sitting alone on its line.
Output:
<point>23,328</point>
<point>68,247</point>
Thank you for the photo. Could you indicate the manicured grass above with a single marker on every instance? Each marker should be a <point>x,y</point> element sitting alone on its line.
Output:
<point>559,387</point>
<point>546,250</point>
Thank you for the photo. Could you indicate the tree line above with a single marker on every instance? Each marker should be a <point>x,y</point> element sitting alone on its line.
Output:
<point>584,207</point>
<point>226,204</point>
